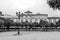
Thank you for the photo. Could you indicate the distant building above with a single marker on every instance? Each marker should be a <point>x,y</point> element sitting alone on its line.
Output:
<point>53,19</point>
<point>30,17</point>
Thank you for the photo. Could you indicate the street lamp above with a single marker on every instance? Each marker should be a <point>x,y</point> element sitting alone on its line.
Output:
<point>18,14</point>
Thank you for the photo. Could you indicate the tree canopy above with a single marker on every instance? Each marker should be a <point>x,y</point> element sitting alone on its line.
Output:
<point>58,23</point>
<point>55,4</point>
<point>43,23</point>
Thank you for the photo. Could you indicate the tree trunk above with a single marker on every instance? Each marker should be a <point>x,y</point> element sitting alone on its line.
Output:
<point>8,28</point>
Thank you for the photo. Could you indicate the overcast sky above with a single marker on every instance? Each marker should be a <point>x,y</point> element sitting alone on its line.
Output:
<point>36,6</point>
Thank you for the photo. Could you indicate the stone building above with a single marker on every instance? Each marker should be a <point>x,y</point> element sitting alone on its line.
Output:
<point>30,17</point>
<point>53,19</point>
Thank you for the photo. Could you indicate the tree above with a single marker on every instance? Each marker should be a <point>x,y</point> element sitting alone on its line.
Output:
<point>55,4</point>
<point>26,24</point>
<point>58,23</point>
<point>35,24</point>
<point>52,25</point>
<point>1,22</point>
<point>43,23</point>
<point>7,23</point>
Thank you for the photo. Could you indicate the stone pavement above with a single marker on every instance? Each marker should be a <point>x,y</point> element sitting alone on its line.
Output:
<point>30,35</point>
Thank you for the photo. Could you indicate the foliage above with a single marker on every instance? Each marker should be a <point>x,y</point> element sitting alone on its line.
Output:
<point>43,23</point>
<point>55,4</point>
<point>52,25</point>
<point>35,24</point>
<point>1,22</point>
<point>7,22</point>
<point>26,23</point>
<point>58,23</point>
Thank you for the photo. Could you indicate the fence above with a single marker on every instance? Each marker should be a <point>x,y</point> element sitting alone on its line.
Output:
<point>15,28</point>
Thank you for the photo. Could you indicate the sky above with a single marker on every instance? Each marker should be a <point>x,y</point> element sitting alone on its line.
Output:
<point>36,6</point>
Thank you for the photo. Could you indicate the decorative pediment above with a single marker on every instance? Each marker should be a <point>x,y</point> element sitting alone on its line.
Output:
<point>28,11</point>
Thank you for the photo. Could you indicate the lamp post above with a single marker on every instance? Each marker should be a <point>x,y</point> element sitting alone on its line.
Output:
<point>18,14</point>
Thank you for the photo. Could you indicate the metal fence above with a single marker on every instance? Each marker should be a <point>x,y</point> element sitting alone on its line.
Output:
<point>15,28</point>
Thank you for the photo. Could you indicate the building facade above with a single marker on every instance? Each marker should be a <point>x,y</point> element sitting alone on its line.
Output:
<point>30,17</point>
<point>53,19</point>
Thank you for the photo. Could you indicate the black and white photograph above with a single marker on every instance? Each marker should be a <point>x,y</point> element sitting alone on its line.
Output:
<point>29,19</point>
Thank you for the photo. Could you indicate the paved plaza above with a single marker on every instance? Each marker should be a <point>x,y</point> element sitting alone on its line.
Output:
<point>30,35</point>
